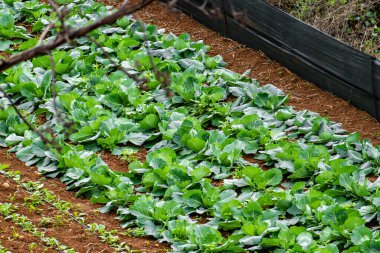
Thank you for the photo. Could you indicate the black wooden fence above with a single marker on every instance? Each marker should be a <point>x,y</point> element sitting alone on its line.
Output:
<point>308,52</point>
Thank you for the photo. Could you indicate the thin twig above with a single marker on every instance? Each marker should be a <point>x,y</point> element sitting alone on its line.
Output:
<point>22,117</point>
<point>44,33</point>
<point>66,35</point>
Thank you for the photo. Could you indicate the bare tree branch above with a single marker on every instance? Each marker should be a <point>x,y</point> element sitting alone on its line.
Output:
<point>65,35</point>
<point>124,10</point>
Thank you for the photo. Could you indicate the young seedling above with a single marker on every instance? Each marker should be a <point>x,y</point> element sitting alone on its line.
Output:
<point>7,210</point>
<point>41,195</point>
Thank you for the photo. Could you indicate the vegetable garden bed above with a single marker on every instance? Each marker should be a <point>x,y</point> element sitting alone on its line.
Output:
<point>303,95</point>
<point>193,190</point>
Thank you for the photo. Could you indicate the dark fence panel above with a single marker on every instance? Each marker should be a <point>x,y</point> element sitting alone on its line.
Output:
<point>315,46</point>
<point>376,78</point>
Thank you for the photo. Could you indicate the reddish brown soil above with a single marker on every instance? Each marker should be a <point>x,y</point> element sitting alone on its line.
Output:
<point>12,237</point>
<point>114,162</point>
<point>117,163</point>
<point>146,244</point>
<point>250,159</point>
<point>141,154</point>
<point>217,183</point>
<point>28,27</point>
<point>41,119</point>
<point>372,178</point>
<point>65,230</point>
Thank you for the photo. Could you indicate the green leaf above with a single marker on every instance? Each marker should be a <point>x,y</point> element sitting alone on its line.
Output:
<point>353,138</point>
<point>20,129</point>
<point>180,44</point>
<point>345,181</point>
<point>178,176</point>
<point>207,238</point>
<point>7,21</point>
<point>324,177</point>
<point>101,179</point>
<point>330,248</point>
<point>270,177</point>
<point>137,138</point>
<point>200,172</point>
<point>42,61</point>
<point>298,186</point>
<point>334,215</point>
<point>361,234</point>
<point>188,63</point>
<point>261,99</point>
<point>28,44</point>
<point>30,91</point>
<point>287,238</point>
<point>167,210</point>
<point>251,240</point>
<point>150,179</point>
<point>196,144</point>
<point>305,239</point>
<point>67,99</point>
<point>143,208</point>
<point>5,44</point>
<point>193,198</point>
<point>150,122</point>
<point>87,133</point>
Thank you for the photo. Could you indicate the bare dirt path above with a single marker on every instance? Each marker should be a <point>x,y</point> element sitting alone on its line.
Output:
<point>12,237</point>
